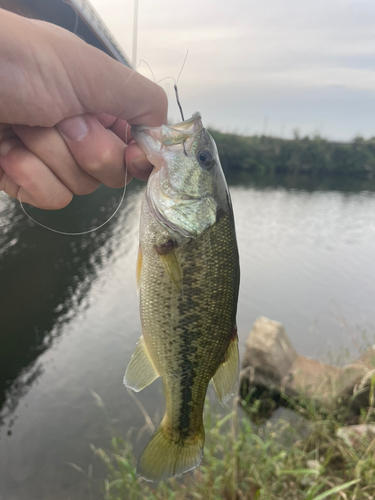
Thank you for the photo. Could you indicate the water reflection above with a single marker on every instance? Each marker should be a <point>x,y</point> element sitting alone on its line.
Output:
<point>46,278</point>
<point>301,182</point>
<point>70,320</point>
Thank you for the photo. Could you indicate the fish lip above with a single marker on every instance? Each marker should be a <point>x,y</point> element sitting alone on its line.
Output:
<point>192,119</point>
<point>180,125</point>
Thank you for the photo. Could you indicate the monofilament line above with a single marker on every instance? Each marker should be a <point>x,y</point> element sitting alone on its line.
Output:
<point>182,67</point>
<point>175,86</point>
<point>82,232</point>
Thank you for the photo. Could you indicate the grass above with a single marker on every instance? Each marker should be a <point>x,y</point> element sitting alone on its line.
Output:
<point>281,459</point>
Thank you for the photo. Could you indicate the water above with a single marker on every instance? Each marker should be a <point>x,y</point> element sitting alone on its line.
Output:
<point>69,312</point>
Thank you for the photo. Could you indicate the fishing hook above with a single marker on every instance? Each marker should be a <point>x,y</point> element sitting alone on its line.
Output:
<point>182,114</point>
<point>178,102</point>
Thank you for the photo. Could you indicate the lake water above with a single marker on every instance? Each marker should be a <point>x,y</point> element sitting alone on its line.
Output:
<point>69,312</point>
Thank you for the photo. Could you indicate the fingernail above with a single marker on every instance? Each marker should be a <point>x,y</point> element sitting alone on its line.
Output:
<point>74,128</point>
<point>6,146</point>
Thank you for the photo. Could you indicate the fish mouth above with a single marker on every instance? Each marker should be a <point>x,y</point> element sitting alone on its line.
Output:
<point>188,124</point>
<point>169,135</point>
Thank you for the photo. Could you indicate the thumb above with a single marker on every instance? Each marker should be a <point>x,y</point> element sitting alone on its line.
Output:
<point>103,85</point>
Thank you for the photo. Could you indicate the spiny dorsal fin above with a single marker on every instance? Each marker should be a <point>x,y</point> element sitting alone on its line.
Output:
<point>141,371</point>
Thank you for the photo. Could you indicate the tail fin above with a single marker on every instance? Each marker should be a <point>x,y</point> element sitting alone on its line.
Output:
<point>166,457</point>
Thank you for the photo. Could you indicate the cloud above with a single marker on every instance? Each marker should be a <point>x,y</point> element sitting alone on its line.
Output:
<point>249,53</point>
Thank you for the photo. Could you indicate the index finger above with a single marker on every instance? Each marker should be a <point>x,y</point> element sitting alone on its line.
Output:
<point>116,89</point>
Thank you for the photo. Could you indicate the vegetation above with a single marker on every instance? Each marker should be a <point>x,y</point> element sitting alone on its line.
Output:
<point>300,155</point>
<point>300,460</point>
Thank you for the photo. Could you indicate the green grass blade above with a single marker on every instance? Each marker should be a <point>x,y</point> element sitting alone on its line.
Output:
<point>336,489</point>
<point>299,471</point>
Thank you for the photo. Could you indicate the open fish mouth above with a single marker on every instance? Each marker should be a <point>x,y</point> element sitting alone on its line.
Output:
<point>169,135</point>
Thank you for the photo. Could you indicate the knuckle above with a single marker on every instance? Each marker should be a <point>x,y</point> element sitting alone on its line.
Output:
<point>101,161</point>
<point>20,170</point>
<point>105,160</point>
<point>57,202</point>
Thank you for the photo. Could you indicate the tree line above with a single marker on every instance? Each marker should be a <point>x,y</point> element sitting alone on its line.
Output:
<point>300,155</point>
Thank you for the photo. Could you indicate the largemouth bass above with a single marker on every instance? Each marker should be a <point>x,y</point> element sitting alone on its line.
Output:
<point>188,273</point>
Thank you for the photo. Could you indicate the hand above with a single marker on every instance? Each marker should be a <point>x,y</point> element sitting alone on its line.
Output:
<point>64,114</point>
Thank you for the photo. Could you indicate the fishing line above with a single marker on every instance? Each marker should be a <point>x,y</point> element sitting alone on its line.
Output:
<point>183,65</point>
<point>176,89</point>
<point>149,67</point>
<point>95,228</point>
<point>82,232</point>
<point>178,78</point>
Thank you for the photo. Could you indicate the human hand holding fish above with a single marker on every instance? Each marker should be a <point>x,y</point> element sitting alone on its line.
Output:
<point>64,114</point>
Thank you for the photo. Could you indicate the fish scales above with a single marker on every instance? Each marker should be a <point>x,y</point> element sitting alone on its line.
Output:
<point>188,272</point>
<point>187,344</point>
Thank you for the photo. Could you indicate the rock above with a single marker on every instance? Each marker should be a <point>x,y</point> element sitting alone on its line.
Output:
<point>357,436</point>
<point>269,352</point>
<point>274,374</point>
<point>309,377</point>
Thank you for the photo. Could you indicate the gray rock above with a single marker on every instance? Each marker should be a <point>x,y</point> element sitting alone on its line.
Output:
<point>274,374</point>
<point>357,436</point>
<point>269,351</point>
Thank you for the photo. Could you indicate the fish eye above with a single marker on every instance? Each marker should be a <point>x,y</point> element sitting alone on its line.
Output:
<point>206,159</point>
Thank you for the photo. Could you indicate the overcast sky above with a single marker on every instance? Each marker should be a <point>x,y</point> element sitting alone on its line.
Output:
<point>259,65</point>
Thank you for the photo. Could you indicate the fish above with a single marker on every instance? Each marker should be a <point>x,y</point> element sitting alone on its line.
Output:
<point>188,278</point>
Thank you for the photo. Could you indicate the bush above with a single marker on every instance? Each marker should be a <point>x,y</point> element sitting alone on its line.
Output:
<point>315,156</point>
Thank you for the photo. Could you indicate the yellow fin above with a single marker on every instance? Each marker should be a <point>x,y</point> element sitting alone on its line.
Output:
<point>139,267</point>
<point>226,376</point>
<point>165,457</point>
<point>173,269</point>
<point>140,371</point>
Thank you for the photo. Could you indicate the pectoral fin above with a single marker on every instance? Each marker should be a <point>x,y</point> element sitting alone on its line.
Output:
<point>226,376</point>
<point>172,267</point>
<point>141,371</point>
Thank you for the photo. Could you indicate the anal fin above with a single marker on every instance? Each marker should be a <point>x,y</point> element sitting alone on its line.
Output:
<point>226,376</point>
<point>141,371</point>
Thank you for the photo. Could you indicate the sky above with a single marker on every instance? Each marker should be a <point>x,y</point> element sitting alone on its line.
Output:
<point>259,66</point>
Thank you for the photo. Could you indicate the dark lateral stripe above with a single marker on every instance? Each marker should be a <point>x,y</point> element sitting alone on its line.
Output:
<point>188,368</point>
<point>186,394</point>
